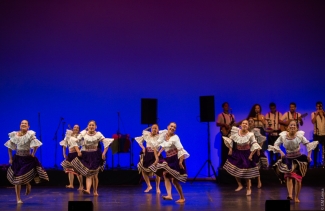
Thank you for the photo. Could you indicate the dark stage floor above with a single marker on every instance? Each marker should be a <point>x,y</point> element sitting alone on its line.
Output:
<point>201,195</point>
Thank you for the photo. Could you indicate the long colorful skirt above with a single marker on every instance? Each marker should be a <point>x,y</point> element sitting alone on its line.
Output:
<point>295,168</point>
<point>24,169</point>
<point>261,160</point>
<point>238,165</point>
<point>146,160</point>
<point>66,164</point>
<point>170,167</point>
<point>90,163</point>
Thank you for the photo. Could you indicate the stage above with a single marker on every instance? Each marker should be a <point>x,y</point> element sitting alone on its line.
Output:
<point>200,195</point>
<point>123,190</point>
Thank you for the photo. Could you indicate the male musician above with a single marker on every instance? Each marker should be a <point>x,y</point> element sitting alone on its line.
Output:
<point>291,115</point>
<point>225,120</point>
<point>318,119</point>
<point>273,129</point>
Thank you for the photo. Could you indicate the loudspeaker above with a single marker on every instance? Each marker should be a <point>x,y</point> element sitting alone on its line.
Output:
<point>207,109</point>
<point>80,206</point>
<point>148,111</point>
<point>283,205</point>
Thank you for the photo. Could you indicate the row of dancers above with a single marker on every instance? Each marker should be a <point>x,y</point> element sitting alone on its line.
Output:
<point>86,159</point>
<point>245,157</point>
<point>272,123</point>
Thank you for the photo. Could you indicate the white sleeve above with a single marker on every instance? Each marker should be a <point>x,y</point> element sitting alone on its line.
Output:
<point>139,139</point>
<point>180,150</point>
<point>10,145</point>
<point>107,142</point>
<point>35,142</point>
<point>228,142</point>
<point>254,144</point>
<point>73,142</point>
<point>64,142</point>
<point>161,139</point>
<point>276,147</point>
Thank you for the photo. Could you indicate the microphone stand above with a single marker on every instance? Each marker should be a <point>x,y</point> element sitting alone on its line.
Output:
<point>55,138</point>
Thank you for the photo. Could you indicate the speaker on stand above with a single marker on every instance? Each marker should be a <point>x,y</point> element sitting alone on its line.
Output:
<point>207,114</point>
<point>148,111</point>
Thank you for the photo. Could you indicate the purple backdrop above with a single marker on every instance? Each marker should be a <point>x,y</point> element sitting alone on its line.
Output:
<point>86,60</point>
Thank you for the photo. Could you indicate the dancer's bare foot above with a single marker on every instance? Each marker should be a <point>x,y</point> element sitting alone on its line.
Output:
<point>69,186</point>
<point>19,201</point>
<point>158,191</point>
<point>28,189</point>
<point>96,194</point>
<point>297,200</point>
<point>167,197</point>
<point>180,201</point>
<point>148,189</point>
<point>248,192</point>
<point>289,197</point>
<point>259,185</point>
<point>86,191</point>
<point>239,188</point>
<point>81,188</point>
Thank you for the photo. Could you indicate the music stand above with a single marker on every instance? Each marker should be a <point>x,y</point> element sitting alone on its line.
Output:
<point>207,115</point>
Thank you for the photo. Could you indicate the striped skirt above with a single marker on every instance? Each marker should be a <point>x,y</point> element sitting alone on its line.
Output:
<point>170,167</point>
<point>238,165</point>
<point>146,160</point>
<point>295,168</point>
<point>261,160</point>
<point>66,164</point>
<point>24,169</point>
<point>89,164</point>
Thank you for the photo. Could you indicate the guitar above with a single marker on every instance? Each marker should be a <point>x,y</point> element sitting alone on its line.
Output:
<point>285,127</point>
<point>224,131</point>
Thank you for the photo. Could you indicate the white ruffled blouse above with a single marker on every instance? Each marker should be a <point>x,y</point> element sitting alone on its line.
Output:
<point>292,145</point>
<point>70,141</point>
<point>173,143</point>
<point>258,136</point>
<point>93,140</point>
<point>152,141</point>
<point>25,142</point>
<point>240,140</point>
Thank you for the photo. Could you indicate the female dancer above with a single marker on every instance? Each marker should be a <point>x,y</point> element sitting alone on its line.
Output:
<point>259,157</point>
<point>242,146</point>
<point>292,167</point>
<point>70,141</point>
<point>259,120</point>
<point>147,155</point>
<point>173,167</point>
<point>25,167</point>
<point>92,159</point>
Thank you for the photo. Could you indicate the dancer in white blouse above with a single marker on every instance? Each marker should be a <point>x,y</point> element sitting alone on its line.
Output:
<point>92,159</point>
<point>173,166</point>
<point>240,164</point>
<point>74,151</point>
<point>25,167</point>
<point>292,167</point>
<point>259,157</point>
<point>147,156</point>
